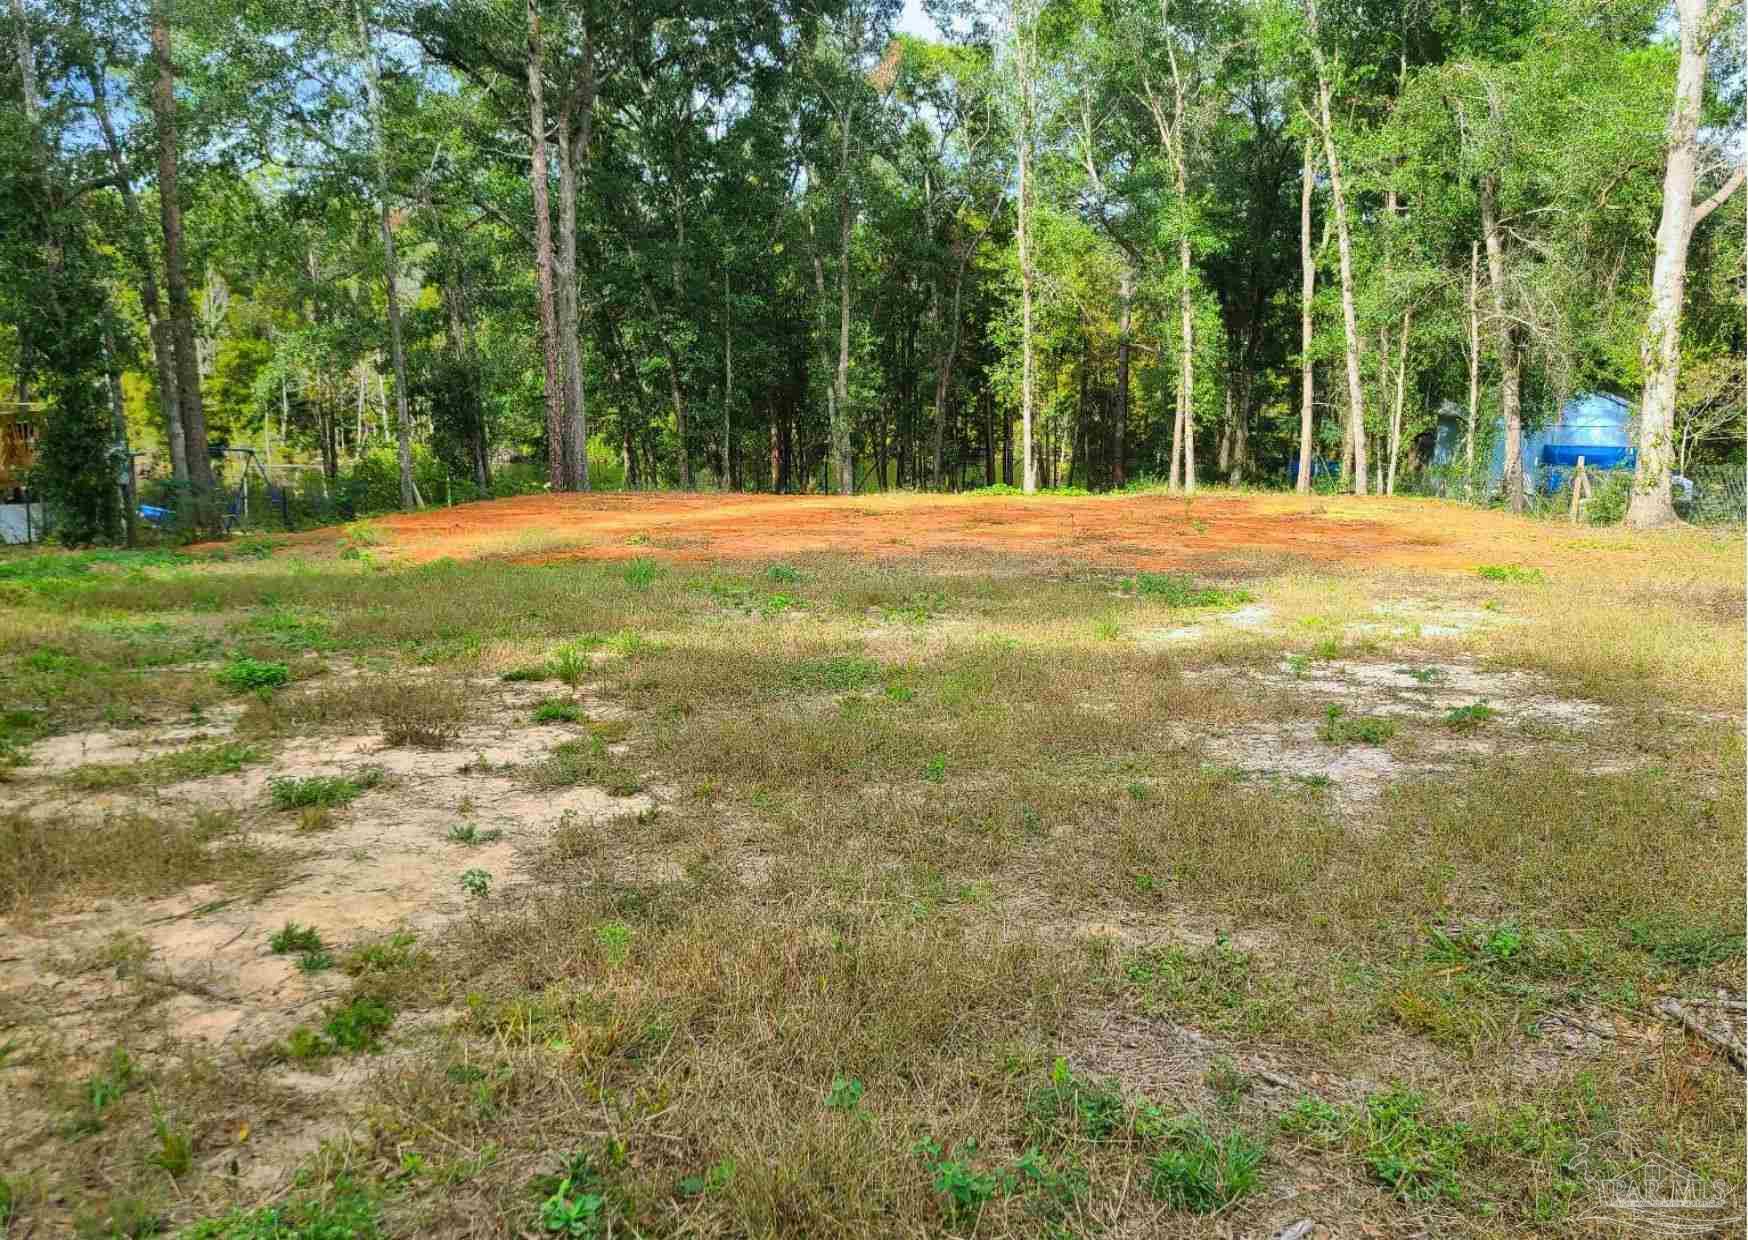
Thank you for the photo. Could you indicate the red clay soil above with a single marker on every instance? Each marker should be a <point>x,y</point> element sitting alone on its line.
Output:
<point>1152,531</point>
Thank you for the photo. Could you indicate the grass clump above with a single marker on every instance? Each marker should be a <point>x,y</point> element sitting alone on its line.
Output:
<point>838,673</point>
<point>428,714</point>
<point>321,791</point>
<point>556,710</point>
<point>346,1213</point>
<point>294,938</point>
<point>584,761</point>
<point>1202,1173</point>
<point>1511,574</point>
<point>641,573</point>
<point>195,762</point>
<point>1340,728</point>
<point>1178,590</point>
<point>42,859</point>
<point>352,1028</point>
<point>1072,1106</point>
<point>470,835</point>
<point>243,673</point>
<point>1468,718</point>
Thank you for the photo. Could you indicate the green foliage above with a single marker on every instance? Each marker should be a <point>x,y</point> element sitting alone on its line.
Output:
<point>476,882</point>
<point>838,673</point>
<point>294,938</point>
<point>1406,1151</point>
<point>556,710</point>
<point>243,673</point>
<point>1201,1173</point>
<point>1511,574</point>
<point>467,833</point>
<point>845,1094</point>
<point>1340,728</point>
<point>346,1212</point>
<point>1177,590</point>
<point>1468,718</point>
<point>321,790</point>
<point>1073,1107</point>
<point>640,574</point>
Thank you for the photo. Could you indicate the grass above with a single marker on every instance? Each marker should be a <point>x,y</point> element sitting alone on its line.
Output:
<point>957,906</point>
<point>195,762</point>
<point>1177,591</point>
<point>556,710</point>
<point>47,860</point>
<point>321,791</point>
<point>1340,728</point>
<point>244,673</point>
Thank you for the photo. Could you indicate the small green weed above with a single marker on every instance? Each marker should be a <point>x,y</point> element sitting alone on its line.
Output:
<point>556,710</point>
<point>321,790</point>
<point>395,952</point>
<point>1340,728</point>
<point>359,1025</point>
<point>935,769</point>
<point>845,1094</point>
<point>175,1149</point>
<point>1177,590</point>
<point>570,1212</point>
<point>467,833</point>
<point>315,962</point>
<point>1202,1173</point>
<point>784,573</point>
<point>614,940</point>
<point>345,1213</point>
<point>527,672</point>
<point>1511,574</point>
<point>836,673</point>
<point>1413,1156</point>
<point>640,573</point>
<point>243,673</point>
<point>476,882</point>
<point>294,938</point>
<point>1468,718</point>
<point>1072,1106</point>
<point>965,1189</point>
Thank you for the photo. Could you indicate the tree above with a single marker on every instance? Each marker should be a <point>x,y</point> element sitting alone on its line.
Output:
<point>1660,348</point>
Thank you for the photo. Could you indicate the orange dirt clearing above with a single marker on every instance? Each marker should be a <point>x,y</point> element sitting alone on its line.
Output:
<point>1210,531</point>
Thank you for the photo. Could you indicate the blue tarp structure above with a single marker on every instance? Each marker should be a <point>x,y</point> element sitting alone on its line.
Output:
<point>1596,426</point>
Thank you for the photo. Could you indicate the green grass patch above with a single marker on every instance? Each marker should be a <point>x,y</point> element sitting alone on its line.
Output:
<point>1178,590</point>
<point>327,791</point>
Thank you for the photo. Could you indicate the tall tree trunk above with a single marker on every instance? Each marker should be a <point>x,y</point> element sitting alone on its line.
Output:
<point>391,269</point>
<point>1125,322</point>
<point>1350,322</point>
<point>1023,239</point>
<point>461,344</point>
<point>193,412</point>
<point>842,450</point>
<point>575,132</point>
<point>543,256</point>
<point>727,379</point>
<point>1396,413</point>
<point>1187,367</point>
<point>1307,292</point>
<point>1474,366</point>
<point>163,349</point>
<point>1660,346</point>
<point>1510,359</point>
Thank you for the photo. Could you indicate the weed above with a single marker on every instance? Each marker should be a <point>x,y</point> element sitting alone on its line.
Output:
<point>845,1094</point>
<point>964,1189</point>
<point>1071,1106</point>
<point>324,791</point>
<point>556,710</point>
<point>102,1090</point>
<point>569,1212</point>
<point>584,761</point>
<point>935,769</point>
<point>614,940</point>
<point>476,882</point>
<point>467,833</point>
<point>527,672</point>
<point>784,573</point>
<point>1409,1154</point>
<point>397,951</point>
<point>294,938</point>
<point>312,818</point>
<point>243,673</point>
<point>1340,728</point>
<point>640,573</point>
<point>835,673</point>
<point>1468,718</point>
<point>345,1213</point>
<point>195,762</point>
<point>1422,675</point>
<point>1685,947</point>
<point>573,661</point>
<point>175,1150</point>
<point>1314,1119</point>
<point>1107,630</point>
<point>315,962</point>
<point>717,1178</point>
<point>1228,1082</point>
<point>1511,574</point>
<point>359,1025</point>
<point>1202,1173</point>
<point>1177,590</point>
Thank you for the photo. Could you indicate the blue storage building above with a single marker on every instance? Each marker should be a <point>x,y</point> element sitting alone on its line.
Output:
<point>1595,425</point>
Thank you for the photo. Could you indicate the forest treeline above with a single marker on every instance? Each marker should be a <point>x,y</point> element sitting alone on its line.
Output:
<point>782,245</point>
